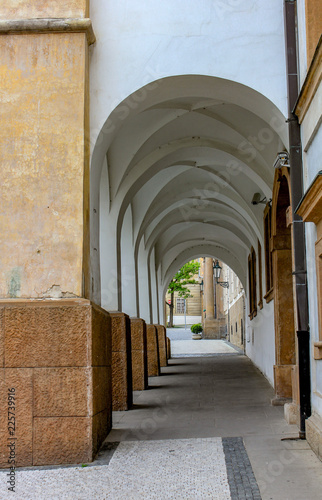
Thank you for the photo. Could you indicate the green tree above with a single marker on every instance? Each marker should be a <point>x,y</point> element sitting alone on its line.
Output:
<point>179,284</point>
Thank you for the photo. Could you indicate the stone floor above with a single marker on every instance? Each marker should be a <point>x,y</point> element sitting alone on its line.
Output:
<point>189,348</point>
<point>179,333</point>
<point>204,429</point>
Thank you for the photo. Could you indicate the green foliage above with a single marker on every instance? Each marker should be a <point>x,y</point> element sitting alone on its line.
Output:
<point>197,328</point>
<point>183,278</point>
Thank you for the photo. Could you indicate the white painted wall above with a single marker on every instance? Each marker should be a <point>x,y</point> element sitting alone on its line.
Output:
<point>316,370</point>
<point>311,134</point>
<point>127,266</point>
<point>260,331</point>
<point>262,351</point>
<point>301,33</point>
<point>162,307</point>
<point>190,320</point>
<point>144,309</point>
<point>140,41</point>
<point>154,303</point>
<point>314,152</point>
<point>107,247</point>
<point>311,131</point>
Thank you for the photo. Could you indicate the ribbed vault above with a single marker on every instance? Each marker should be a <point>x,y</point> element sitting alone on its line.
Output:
<point>182,159</point>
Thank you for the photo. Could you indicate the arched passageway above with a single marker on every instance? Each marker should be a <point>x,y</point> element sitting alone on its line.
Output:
<point>177,165</point>
<point>173,174</point>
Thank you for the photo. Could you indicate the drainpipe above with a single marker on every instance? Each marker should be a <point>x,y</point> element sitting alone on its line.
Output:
<point>296,174</point>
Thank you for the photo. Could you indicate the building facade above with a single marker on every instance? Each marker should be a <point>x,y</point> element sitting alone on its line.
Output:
<point>308,110</point>
<point>235,307</point>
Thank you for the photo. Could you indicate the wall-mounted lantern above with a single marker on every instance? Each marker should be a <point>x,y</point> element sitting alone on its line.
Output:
<point>217,270</point>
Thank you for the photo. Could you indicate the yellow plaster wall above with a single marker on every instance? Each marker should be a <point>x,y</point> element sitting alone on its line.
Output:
<point>42,115</point>
<point>313,12</point>
<point>24,9</point>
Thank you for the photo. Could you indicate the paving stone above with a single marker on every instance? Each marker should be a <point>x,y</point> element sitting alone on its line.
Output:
<point>239,471</point>
<point>165,469</point>
<point>181,406</point>
<point>205,347</point>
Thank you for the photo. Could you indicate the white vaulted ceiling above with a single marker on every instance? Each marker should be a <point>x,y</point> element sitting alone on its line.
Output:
<point>187,155</point>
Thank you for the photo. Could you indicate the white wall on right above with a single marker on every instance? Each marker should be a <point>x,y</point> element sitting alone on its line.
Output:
<point>260,340</point>
<point>301,33</point>
<point>311,134</point>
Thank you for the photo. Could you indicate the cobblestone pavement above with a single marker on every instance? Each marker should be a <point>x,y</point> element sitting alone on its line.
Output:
<point>241,479</point>
<point>204,429</point>
<point>165,469</point>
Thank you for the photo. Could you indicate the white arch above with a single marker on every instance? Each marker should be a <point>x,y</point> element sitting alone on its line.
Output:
<point>207,250</point>
<point>162,167</point>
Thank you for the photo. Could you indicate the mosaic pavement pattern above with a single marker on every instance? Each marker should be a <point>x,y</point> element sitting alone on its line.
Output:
<point>171,469</point>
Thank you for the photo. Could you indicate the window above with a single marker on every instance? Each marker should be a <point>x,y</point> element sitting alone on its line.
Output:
<point>236,326</point>
<point>180,306</point>
<point>252,284</point>
<point>268,253</point>
<point>241,331</point>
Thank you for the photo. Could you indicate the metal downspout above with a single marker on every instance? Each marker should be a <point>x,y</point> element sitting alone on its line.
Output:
<point>296,174</point>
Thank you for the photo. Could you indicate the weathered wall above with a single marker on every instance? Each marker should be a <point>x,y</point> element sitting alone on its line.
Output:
<point>313,15</point>
<point>20,9</point>
<point>43,78</point>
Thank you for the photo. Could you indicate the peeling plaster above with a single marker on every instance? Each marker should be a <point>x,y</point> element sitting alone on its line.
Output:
<point>55,292</point>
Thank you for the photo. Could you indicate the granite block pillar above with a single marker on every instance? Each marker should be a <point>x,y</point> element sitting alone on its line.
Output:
<point>56,363</point>
<point>122,396</point>
<point>153,351</point>
<point>139,354</point>
<point>162,345</point>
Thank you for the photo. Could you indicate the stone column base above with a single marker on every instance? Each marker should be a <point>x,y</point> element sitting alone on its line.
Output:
<point>153,351</point>
<point>139,355</point>
<point>122,395</point>
<point>283,382</point>
<point>292,414</point>
<point>56,362</point>
<point>278,401</point>
<point>313,427</point>
<point>162,336</point>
